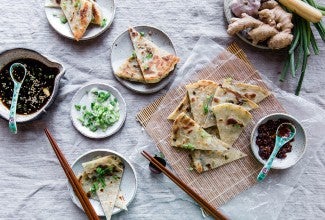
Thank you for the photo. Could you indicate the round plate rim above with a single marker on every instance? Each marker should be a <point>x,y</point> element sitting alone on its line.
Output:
<point>111,152</point>
<point>159,86</point>
<point>119,98</point>
<point>287,116</point>
<point>84,38</point>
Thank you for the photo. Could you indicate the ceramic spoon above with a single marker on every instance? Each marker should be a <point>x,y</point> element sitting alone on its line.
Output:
<point>284,134</point>
<point>17,73</point>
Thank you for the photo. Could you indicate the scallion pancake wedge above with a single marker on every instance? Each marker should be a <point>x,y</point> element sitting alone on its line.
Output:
<point>227,95</point>
<point>155,63</point>
<point>79,15</point>
<point>97,14</point>
<point>183,106</point>
<point>207,160</point>
<point>200,95</point>
<point>231,120</point>
<point>188,134</point>
<point>130,70</point>
<point>87,184</point>
<point>253,92</point>
<point>105,175</point>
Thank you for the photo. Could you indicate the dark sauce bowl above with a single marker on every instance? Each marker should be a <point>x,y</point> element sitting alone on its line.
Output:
<point>298,144</point>
<point>21,54</point>
<point>155,169</point>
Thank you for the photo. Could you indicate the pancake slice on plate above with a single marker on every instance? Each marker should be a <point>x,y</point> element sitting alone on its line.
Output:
<point>97,14</point>
<point>231,120</point>
<point>87,185</point>
<point>130,70</point>
<point>79,15</point>
<point>104,175</point>
<point>108,195</point>
<point>188,134</point>
<point>155,63</point>
<point>205,160</point>
<point>200,95</point>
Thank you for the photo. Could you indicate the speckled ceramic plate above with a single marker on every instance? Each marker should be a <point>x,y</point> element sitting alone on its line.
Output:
<point>81,98</point>
<point>53,16</point>
<point>230,15</point>
<point>128,184</point>
<point>298,145</point>
<point>122,49</point>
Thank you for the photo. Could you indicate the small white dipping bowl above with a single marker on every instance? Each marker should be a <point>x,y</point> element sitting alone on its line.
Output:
<point>298,145</point>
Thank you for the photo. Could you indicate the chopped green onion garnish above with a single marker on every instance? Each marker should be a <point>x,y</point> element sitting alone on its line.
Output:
<point>188,146</point>
<point>77,107</point>
<point>142,34</point>
<point>63,19</point>
<point>103,112</point>
<point>133,55</point>
<point>103,23</point>
<point>206,104</point>
<point>149,56</point>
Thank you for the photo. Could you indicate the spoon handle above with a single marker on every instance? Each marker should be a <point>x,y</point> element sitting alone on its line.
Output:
<point>12,113</point>
<point>266,168</point>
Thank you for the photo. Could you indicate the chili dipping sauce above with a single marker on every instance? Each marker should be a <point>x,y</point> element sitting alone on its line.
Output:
<point>265,139</point>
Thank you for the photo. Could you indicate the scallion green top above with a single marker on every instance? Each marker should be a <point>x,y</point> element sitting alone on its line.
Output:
<point>102,113</point>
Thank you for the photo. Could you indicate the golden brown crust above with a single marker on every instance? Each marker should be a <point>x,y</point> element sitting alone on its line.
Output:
<point>155,63</point>
<point>130,70</point>
<point>97,13</point>
<point>78,14</point>
<point>187,134</point>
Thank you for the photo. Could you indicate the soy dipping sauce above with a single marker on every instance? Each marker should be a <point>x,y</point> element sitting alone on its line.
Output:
<point>36,88</point>
<point>18,73</point>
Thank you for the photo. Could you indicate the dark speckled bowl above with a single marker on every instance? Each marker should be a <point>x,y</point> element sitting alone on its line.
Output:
<point>20,53</point>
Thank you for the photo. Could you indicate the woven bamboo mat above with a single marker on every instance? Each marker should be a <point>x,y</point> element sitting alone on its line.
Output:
<point>219,185</point>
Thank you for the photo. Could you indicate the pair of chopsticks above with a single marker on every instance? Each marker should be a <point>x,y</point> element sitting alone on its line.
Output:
<point>205,205</point>
<point>89,210</point>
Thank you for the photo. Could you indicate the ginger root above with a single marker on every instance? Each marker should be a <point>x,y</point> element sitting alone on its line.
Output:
<point>262,33</point>
<point>274,23</point>
<point>239,24</point>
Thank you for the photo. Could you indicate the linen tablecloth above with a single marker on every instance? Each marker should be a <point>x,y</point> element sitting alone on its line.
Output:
<point>33,185</point>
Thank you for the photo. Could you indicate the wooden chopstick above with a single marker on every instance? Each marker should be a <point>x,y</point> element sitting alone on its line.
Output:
<point>89,210</point>
<point>205,205</point>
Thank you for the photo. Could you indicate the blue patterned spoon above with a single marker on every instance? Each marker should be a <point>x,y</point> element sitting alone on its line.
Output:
<point>284,134</point>
<point>17,73</point>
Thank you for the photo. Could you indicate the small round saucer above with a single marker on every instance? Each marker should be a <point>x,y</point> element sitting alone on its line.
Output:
<point>79,99</point>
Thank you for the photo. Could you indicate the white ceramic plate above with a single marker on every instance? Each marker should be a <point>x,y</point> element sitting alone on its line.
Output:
<point>108,9</point>
<point>229,15</point>
<point>128,183</point>
<point>80,98</point>
<point>298,145</point>
<point>122,49</point>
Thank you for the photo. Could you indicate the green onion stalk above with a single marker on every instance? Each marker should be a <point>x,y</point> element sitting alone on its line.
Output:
<point>301,45</point>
